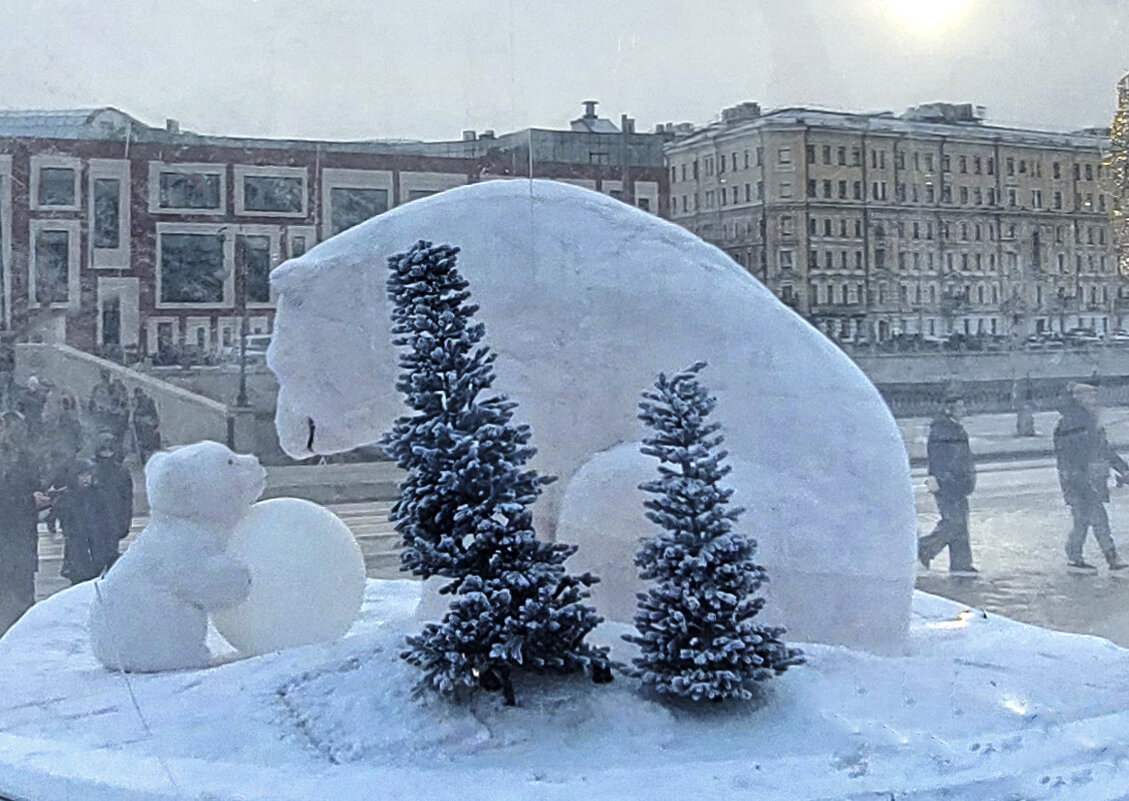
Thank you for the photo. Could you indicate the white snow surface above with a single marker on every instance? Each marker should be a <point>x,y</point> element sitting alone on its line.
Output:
<point>976,708</point>
<point>586,300</point>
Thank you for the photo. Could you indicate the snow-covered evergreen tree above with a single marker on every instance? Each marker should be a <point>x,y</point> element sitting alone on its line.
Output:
<point>463,458</point>
<point>464,511</point>
<point>696,633</point>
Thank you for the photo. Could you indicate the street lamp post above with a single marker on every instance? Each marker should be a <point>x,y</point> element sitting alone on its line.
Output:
<point>241,304</point>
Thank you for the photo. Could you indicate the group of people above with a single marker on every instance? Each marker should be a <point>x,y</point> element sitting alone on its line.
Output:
<point>63,463</point>
<point>1084,459</point>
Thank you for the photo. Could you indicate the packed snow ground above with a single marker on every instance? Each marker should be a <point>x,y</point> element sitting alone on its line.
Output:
<point>979,708</point>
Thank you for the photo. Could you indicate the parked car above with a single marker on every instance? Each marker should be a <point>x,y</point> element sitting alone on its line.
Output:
<point>1117,335</point>
<point>1081,336</point>
<point>256,350</point>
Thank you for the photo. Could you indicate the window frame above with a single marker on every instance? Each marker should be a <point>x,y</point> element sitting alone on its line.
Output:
<point>274,234</point>
<point>337,178</point>
<point>213,229</point>
<point>73,228</point>
<point>38,163</point>
<point>244,171</point>
<point>111,258</point>
<point>156,168</point>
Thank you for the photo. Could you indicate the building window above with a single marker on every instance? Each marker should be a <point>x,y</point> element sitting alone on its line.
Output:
<point>1036,199</point>
<point>784,156</point>
<point>57,187</point>
<point>192,268</point>
<point>52,266</point>
<point>786,226</point>
<point>107,219</point>
<point>188,189</point>
<point>353,205</point>
<point>787,259</point>
<point>785,189</point>
<point>272,194</point>
<point>256,265</point>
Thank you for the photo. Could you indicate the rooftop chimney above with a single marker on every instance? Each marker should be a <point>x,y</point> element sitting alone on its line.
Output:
<point>626,124</point>
<point>172,126</point>
<point>487,134</point>
<point>590,109</point>
<point>469,136</point>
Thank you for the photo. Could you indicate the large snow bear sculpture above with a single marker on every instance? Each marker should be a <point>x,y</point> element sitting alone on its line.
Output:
<point>585,300</point>
<point>150,612</point>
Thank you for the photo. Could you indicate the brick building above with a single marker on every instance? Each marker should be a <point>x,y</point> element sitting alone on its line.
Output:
<point>932,222</point>
<point>116,236</point>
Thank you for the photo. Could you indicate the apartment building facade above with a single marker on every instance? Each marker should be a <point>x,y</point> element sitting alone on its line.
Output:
<point>118,237</point>
<point>932,222</point>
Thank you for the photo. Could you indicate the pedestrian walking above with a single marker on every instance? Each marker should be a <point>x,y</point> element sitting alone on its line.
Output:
<point>90,544</point>
<point>115,485</point>
<point>101,404</point>
<point>1084,458</point>
<point>20,502</point>
<point>146,425</point>
<point>951,479</point>
<point>119,402</point>
<point>31,402</point>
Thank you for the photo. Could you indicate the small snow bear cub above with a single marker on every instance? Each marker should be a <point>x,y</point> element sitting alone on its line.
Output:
<point>150,612</point>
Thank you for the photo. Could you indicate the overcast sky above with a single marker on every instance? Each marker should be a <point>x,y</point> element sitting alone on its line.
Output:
<point>427,69</point>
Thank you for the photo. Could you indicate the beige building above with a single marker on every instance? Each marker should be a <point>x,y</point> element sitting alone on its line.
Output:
<point>932,222</point>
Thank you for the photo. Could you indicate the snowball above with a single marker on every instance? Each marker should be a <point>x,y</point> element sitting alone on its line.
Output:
<point>307,577</point>
<point>585,300</point>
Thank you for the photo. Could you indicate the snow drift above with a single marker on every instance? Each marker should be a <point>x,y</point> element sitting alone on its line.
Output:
<point>981,708</point>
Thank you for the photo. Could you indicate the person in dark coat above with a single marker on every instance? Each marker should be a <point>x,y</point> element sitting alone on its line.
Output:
<point>20,502</point>
<point>1084,458</point>
<point>115,485</point>
<point>90,542</point>
<point>146,425</point>
<point>952,478</point>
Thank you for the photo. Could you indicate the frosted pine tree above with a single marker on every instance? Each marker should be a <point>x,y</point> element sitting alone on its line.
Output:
<point>694,624</point>
<point>464,510</point>
<point>458,449</point>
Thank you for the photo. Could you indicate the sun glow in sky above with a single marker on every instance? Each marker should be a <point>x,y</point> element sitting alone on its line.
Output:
<point>927,15</point>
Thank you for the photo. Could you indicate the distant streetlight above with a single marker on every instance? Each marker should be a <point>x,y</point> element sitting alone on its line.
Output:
<point>241,306</point>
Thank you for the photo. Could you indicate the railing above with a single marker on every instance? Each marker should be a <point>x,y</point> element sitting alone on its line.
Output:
<point>185,416</point>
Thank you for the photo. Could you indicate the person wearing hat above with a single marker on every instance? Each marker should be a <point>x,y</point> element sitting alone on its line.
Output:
<point>952,477</point>
<point>1084,458</point>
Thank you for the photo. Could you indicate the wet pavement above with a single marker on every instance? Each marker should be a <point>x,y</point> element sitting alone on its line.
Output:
<point>1019,526</point>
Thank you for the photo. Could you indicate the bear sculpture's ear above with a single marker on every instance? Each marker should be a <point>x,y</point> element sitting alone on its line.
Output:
<point>153,465</point>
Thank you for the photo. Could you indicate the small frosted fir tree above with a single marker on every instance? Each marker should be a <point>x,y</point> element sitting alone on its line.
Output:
<point>458,449</point>
<point>464,510</point>
<point>695,625</point>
